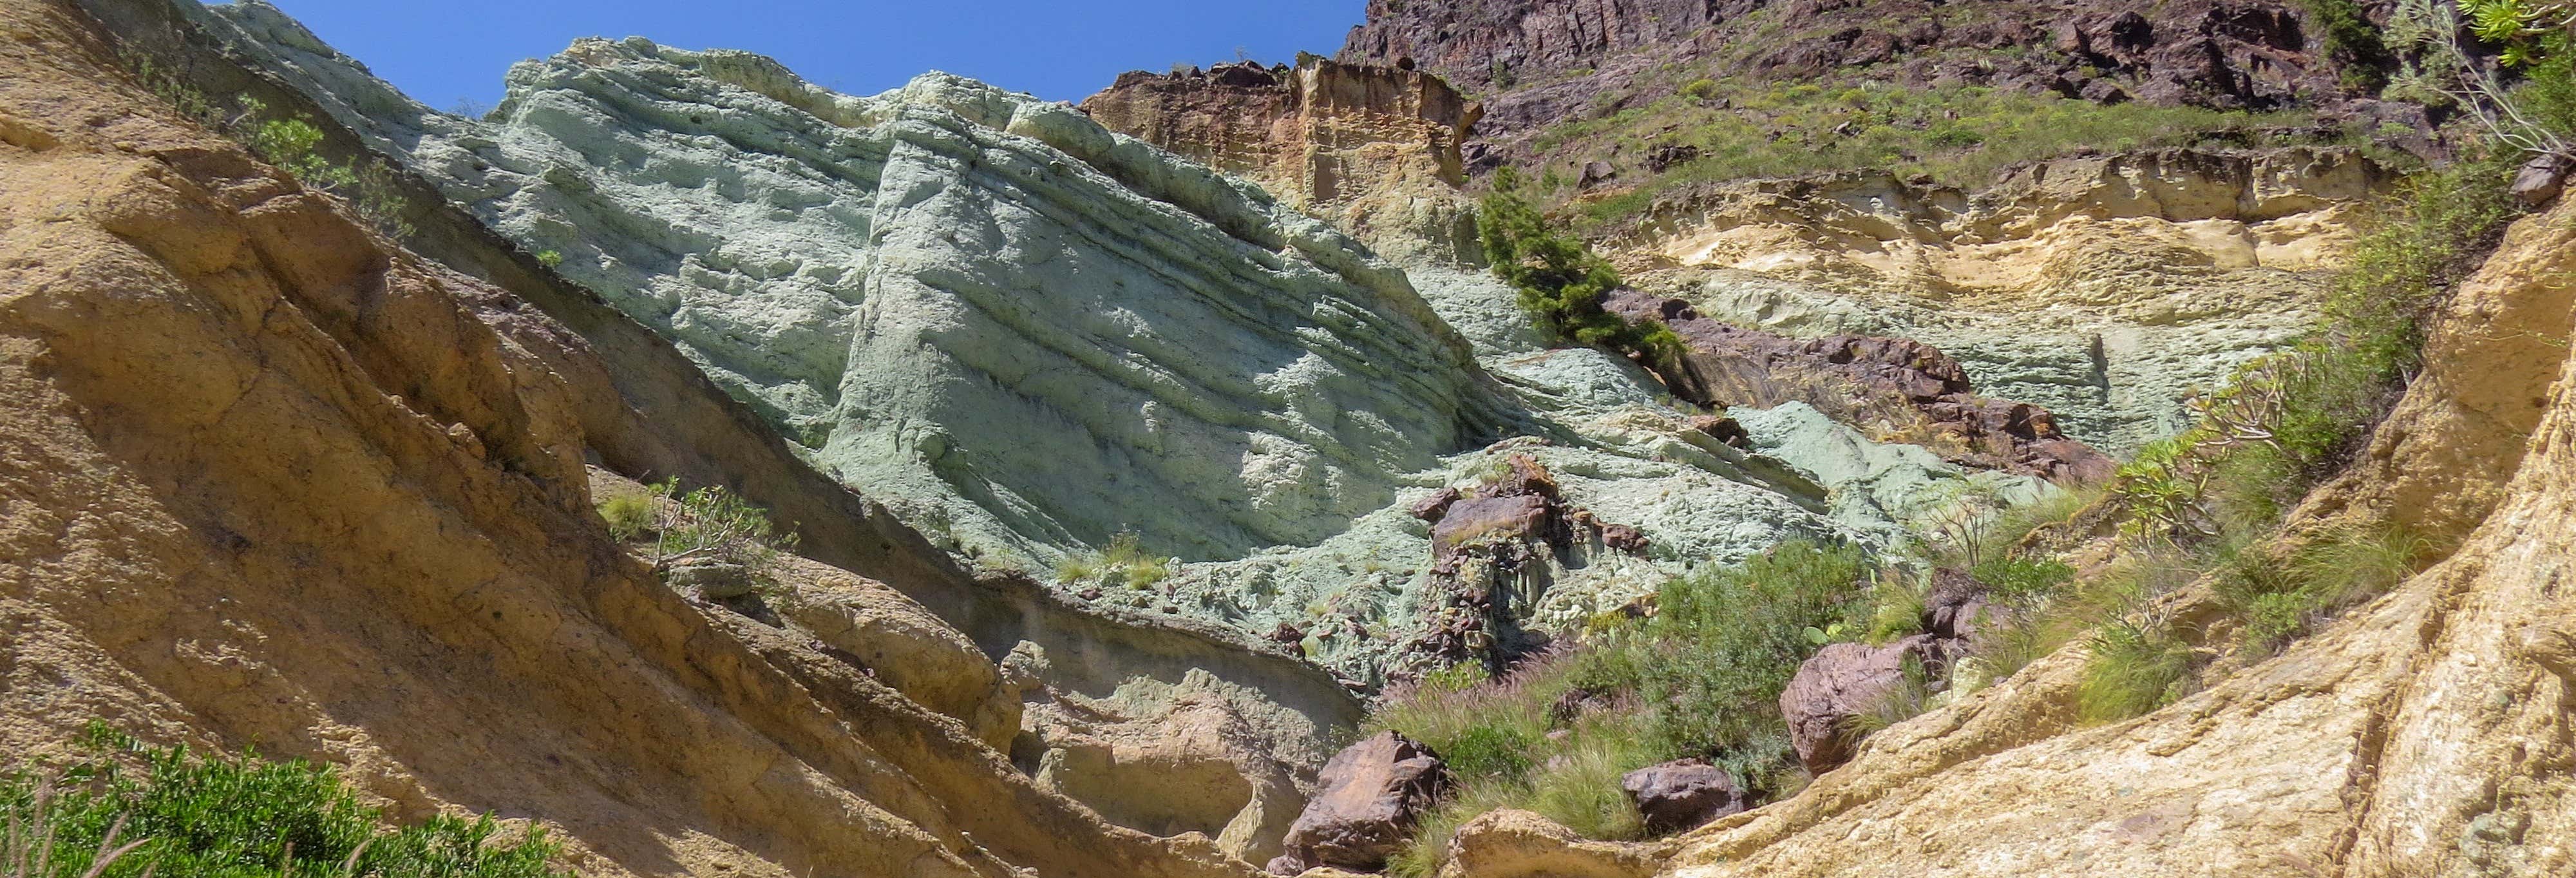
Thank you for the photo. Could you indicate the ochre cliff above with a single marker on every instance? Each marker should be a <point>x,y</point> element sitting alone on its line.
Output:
<point>1374,150</point>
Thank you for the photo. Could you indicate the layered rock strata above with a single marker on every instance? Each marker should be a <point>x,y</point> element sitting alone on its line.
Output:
<point>2106,289</point>
<point>1373,149</point>
<point>1042,333</point>
<point>1895,389</point>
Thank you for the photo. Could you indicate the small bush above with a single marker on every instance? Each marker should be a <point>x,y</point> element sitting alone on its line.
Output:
<point>629,514</point>
<point>218,817</point>
<point>1123,562</point>
<point>2135,667</point>
<point>715,524</point>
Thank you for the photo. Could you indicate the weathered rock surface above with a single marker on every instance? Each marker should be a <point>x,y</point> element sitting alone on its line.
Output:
<point>1375,150</point>
<point>1364,811</point>
<point>1199,756</point>
<point>1890,387</point>
<point>1682,794</point>
<point>1036,332</point>
<point>2104,289</point>
<point>1537,63</point>
<point>1511,843</point>
<point>1840,683</point>
<point>2420,734</point>
<point>272,480</point>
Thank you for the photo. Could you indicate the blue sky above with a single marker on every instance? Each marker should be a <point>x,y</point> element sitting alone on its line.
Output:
<point>441,52</point>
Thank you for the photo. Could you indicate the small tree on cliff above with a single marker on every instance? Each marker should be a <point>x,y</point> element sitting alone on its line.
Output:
<point>1561,282</point>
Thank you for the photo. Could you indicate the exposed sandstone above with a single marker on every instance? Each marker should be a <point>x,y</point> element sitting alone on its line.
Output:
<point>1373,149</point>
<point>1510,843</point>
<point>2420,734</point>
<point>2104,289</point>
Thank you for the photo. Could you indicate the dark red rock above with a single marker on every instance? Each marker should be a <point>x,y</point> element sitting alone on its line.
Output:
<point>1841,682</point>
<point>1865,379</point>
<point>1622,538</point>
<point>1956,606</point>
<point>1367,801</point>
<point>1682,795</point>
<point>1431,508</point>
<point>1539,63</point>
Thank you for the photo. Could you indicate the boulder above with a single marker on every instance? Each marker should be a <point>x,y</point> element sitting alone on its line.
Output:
<point>715,580</point>
<point>2541,179</point>
<point>1682,794</point>
<point>1956,606</point>
<point>1840,682</point>
<point>1365,806</point>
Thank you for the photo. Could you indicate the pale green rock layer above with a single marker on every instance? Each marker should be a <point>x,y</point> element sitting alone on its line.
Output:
<point>1031,334</point>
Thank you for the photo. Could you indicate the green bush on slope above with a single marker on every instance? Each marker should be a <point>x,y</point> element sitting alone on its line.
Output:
<point>1561,282</point>
<point>1702,677</point>
<point>210,816</point>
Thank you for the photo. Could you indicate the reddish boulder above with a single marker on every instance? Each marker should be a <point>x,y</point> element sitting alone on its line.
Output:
<point>1842,682</point>
<point>1682,794</point>
<point>1367,800</point>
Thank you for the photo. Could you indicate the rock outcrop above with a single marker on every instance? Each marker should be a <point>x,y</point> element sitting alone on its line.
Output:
<point>1037,333</point>
<point>2419,734</point>
<point>1891,387</point>
<point>1841,683</point>
<point>1374,150</point>
<point>1682,794</point>
<point>1129,343</point>
<point>1372,792</point>
<point>1537,63</point>
<point>274,480</point>
<point>2105,289</point>
<point>1510,843</point>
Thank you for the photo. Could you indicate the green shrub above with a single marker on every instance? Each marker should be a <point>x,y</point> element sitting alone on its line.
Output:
<point>1700,89</point>
<point>714,523</point>
<point>1123,562</point>
<point>2135,667</point>
<point>629,514</point>
<point>1560,281</point>
<point>2352,41</point>
<point>219,817</point>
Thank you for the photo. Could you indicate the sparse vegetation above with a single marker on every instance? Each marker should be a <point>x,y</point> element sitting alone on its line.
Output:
<point>709,524</point>
<point>126,811</point>
<point>1702,677</point>
<point>293,145</point>
<point>1124,562</point>
<point>1957,135</point>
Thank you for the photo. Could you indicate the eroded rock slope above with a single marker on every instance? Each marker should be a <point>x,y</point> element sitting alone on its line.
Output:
<point>271,479</point>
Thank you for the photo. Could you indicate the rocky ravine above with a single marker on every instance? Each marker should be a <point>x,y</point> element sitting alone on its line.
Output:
<point>1031,335</point>
<point>2425,733</point>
